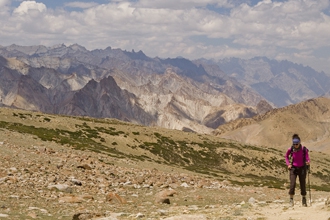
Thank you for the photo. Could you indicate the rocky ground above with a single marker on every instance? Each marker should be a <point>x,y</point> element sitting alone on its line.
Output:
<point>48,181</point>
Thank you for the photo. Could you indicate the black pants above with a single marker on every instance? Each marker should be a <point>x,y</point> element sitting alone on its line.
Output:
<point>301,173</point>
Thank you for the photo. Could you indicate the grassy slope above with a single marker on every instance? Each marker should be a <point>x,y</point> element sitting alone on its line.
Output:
<point>162,148</point>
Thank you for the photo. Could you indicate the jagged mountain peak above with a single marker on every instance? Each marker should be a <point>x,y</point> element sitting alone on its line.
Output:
<point>279,82</point>
<point>166,91</point>
<point>137,55</point>
<point>174,92</point>
<point>77,47</point>
<point>28,50</point>
<point>58,46</point>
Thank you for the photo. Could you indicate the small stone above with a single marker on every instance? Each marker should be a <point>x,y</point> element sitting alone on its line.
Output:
<point>139,215</point>
<point>4,215</point>
<point>61,187</point>
<point>251,200</point>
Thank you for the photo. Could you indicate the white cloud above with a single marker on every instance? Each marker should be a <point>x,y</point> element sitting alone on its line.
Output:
<point>4,3</point>
<point>174,27</point>
<point>4,7</point>
<point>27,7</point>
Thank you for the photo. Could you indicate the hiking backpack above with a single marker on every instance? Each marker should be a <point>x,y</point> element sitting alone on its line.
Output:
<point>304,153</point>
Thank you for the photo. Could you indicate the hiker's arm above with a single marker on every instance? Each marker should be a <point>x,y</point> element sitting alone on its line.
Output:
<point>287,159</point>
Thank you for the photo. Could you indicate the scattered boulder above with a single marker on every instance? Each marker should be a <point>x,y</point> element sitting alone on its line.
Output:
<point>86,216</point>
<point>163,196</point>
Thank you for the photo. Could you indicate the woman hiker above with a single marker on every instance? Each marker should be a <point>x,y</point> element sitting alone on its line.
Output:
<point>297,167</point>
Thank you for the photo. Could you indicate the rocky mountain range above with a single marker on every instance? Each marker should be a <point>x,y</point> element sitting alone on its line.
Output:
<point>279,82</point>
<point>174,93</point>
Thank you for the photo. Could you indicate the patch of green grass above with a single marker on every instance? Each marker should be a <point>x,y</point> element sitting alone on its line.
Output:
<point>214,158</point>
<point>80,139</point>
<point>110,131</point>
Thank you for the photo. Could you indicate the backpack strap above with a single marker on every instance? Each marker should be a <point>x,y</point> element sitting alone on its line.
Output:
<point>291,152</point>
<point>304,151</point>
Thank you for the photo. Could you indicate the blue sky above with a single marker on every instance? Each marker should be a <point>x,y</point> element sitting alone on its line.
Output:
<point>294,30</point>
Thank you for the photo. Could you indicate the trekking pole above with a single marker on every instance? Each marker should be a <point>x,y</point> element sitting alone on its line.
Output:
<point>309,186</point>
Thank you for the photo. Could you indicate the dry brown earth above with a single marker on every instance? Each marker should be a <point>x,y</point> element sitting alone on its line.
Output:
<point>45,180</point>
<point>53,182</point>
<point>310,119</point>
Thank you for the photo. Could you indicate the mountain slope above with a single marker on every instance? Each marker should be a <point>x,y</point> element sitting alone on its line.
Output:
<point>106,100</point>
<point>175,93</point>
<point>310,119</point>
<point>197,153</point>
<point>279,82</point>
<point>47,90</point>
<point>136,65</point>
<point>59,167</point>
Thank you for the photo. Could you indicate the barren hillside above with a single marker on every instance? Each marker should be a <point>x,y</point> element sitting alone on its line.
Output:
<point>310,119</point>
<point>58,167</point>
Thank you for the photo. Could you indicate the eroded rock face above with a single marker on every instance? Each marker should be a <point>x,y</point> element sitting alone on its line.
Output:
<point>172,93</point>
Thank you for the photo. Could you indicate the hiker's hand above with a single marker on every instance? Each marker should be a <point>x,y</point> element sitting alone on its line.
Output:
<point>307,163</point>
<point>289,167</point>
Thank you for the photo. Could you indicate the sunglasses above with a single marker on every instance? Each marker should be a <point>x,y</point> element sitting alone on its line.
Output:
<point>295,144</point>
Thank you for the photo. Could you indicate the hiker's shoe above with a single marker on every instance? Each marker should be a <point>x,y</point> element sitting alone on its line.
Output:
<point>304,203</point>
<point>291,202</point>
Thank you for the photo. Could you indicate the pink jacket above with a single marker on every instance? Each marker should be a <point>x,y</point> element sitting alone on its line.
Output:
<point>297,157</point>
